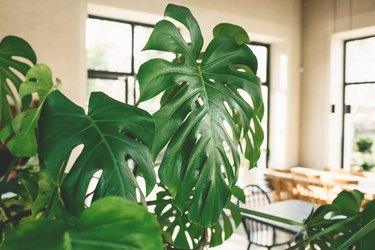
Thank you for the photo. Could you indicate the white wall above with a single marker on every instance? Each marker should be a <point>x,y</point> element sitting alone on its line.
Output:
<point>325,27</point>
<point>56,31</point>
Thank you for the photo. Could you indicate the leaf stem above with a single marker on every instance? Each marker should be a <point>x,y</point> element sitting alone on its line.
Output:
<point>358,235</point>
<point>323,232</point>
<point>264,215</point>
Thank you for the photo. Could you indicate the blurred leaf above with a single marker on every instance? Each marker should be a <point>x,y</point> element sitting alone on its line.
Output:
<point>239,193</point>
<point>13,52</point>
<point>348,203</point>
<point>48,200</point>
<point>110,223</point>
<point>335,226</point>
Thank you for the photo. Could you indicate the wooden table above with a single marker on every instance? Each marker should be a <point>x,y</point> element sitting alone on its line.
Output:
<point>296,210</point>
<point>327,176</point>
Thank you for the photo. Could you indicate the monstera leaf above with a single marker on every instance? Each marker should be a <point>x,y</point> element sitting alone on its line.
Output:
<point>20,134</point>
<point>12,47</point>
<point>182,234</point>
<point>110,132</point>
<point>340,225</point>
<point>110,223</point>
<point>204,114</point>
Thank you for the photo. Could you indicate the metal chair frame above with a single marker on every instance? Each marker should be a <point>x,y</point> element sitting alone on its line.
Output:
<point>251,224</point>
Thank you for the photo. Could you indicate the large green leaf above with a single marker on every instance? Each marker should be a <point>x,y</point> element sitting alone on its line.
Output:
<point>20,134</point>
<point>110,223</point>
<point>110,132</point>
<point>205,114</point>
<point>13,52</point>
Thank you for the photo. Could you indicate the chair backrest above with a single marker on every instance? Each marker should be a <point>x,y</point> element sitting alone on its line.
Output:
<point>255,196</point>
<point>257,232</point>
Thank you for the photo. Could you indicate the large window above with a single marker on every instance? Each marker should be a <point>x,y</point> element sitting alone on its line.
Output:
<point>359,104</point>
<point>114,57</point>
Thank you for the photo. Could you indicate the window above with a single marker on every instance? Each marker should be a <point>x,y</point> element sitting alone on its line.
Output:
<point>262,52</point>
<point>114,56</point>
<point>359,104</point>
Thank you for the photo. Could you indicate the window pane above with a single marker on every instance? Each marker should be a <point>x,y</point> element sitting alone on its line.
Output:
<point>359,125</point>
<point>152,105</point>
<point>261,53</point>
<point>141,35</point>
<point>108,45</point>
<point>113,88</point>
<point>360,60</point>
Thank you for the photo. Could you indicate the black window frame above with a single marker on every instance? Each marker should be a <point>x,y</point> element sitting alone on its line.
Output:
<point>267,84</point>
<point>346,108</point>
<point>115,75</point>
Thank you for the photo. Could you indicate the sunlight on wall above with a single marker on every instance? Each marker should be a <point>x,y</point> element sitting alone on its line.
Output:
<point>280,113</point>
<point>335,119</point>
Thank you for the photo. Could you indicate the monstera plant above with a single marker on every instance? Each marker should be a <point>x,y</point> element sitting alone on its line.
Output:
<point>209,120</point>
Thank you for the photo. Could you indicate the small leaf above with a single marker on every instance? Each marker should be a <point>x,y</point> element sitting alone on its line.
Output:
<point>239,193</point>
<point>21,141</point>
<point>38,80</point>
<point>110,223</point>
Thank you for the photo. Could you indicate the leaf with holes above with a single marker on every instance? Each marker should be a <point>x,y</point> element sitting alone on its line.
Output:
<point>110,223</point>
<point>178,230</point>
<point>110,132</point>
<point>205,113</point>
<point>182,234</point>
<point>12,47</point>
<point>20,134</point>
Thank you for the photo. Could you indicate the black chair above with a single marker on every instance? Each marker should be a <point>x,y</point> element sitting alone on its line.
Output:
<point>259,233</point>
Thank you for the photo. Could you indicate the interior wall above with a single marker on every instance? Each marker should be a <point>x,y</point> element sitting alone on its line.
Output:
<point>56,30</point>
<point>326,24</point>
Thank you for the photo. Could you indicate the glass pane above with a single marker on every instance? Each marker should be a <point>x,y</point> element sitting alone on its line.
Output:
<point>108,45</point>
<point>360,60</point>
<point>360,127</point>
<point>261,53</point>
<point>141,36</point>
<point>151,105</point>
<point>113,88</point>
